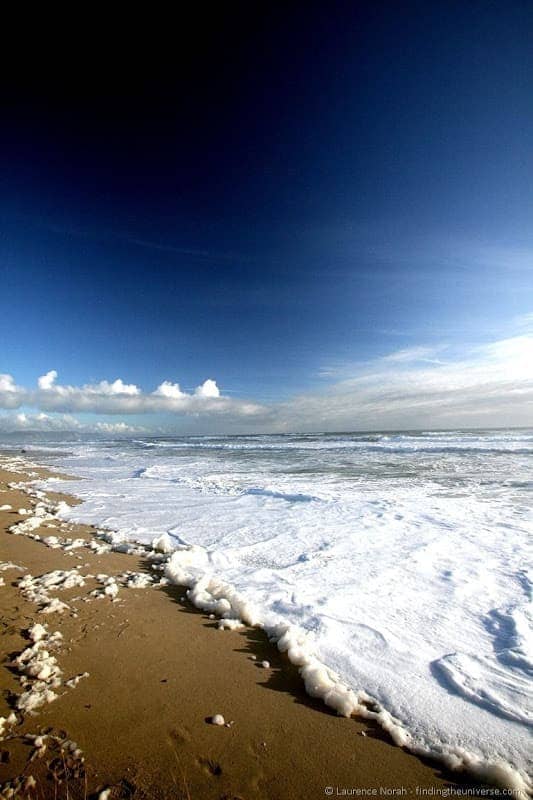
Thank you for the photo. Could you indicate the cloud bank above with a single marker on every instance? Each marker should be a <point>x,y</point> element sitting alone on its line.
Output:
<point>63,423</point>
<point>120,398</point>
<point>490,386</point>
<point>418,387</point>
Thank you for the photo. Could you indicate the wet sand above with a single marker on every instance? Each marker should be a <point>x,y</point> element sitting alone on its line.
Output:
<point>159,669</point>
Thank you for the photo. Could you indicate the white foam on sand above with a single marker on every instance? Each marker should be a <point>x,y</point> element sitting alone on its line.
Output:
<point>39,670</point>
<point>392,570</point>
<point>40,677</point>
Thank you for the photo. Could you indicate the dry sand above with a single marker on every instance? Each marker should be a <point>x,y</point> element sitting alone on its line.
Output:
<point>158,670</point>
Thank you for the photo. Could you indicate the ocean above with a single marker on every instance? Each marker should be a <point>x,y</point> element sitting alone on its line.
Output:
<point>404,557</point>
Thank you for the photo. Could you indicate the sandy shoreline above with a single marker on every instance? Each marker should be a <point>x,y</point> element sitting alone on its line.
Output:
<point>158,669</point>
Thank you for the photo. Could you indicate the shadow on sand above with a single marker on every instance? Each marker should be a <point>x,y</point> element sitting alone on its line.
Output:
<point>283,676</point>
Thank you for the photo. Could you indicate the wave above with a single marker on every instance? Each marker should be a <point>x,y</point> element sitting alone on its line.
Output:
<point>290,498</point>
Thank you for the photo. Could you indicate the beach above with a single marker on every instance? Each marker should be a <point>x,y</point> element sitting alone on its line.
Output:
<point>140,722</point>
<point>266,405</point>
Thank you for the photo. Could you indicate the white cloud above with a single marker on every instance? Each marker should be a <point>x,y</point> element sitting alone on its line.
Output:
<point>38,422</point>
<point>117,387</point>
<point>47,381</point>
<point>207,389</point>
<point>168,389</point>
<point>61,423</point>
<point>10,394</point>
<point>7,384</point>
<point>414,354</point>
<point>116,427</point>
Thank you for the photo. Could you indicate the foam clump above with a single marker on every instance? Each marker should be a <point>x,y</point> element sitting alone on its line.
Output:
<point>39,695</point>
<point>322,683</point>
<point>37,632</point>
<point>62,508</point>
<point>36,590</point>
<point>138,580</point>
<point>6,723</point>
<point>6,507</point>
<point>187,567</point>
<point>185,564</point>
<point>55,606</point>
<point>229,624</point>
<point>99,548</point>
<point>111,589</point>
<point>26,527</point>
<point>53,542</point>
<point>39,670</point>
<point>296,643</point>
<point>163,544</point>
<point>21,786</point>
<point>73,682</point>
<point>40,675</point>
<point>4,565</point>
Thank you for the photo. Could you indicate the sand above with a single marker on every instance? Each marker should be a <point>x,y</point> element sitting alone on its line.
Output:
<point>158,671</point>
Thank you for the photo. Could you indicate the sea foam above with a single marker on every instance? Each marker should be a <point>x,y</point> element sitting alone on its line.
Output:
<point>392,569</point>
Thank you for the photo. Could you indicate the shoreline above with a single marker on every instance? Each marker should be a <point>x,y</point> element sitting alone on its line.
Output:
<point>121,630</point>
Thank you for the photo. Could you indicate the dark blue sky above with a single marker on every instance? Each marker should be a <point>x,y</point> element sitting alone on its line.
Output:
<point>257,196</point>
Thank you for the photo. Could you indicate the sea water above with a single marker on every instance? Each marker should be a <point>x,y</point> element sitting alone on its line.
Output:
<point>405,557</point>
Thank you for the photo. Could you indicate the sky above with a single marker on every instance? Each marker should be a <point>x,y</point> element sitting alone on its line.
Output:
<point>273,217</point>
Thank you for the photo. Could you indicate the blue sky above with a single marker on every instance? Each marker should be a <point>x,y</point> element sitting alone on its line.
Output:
<point>295,197</point>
